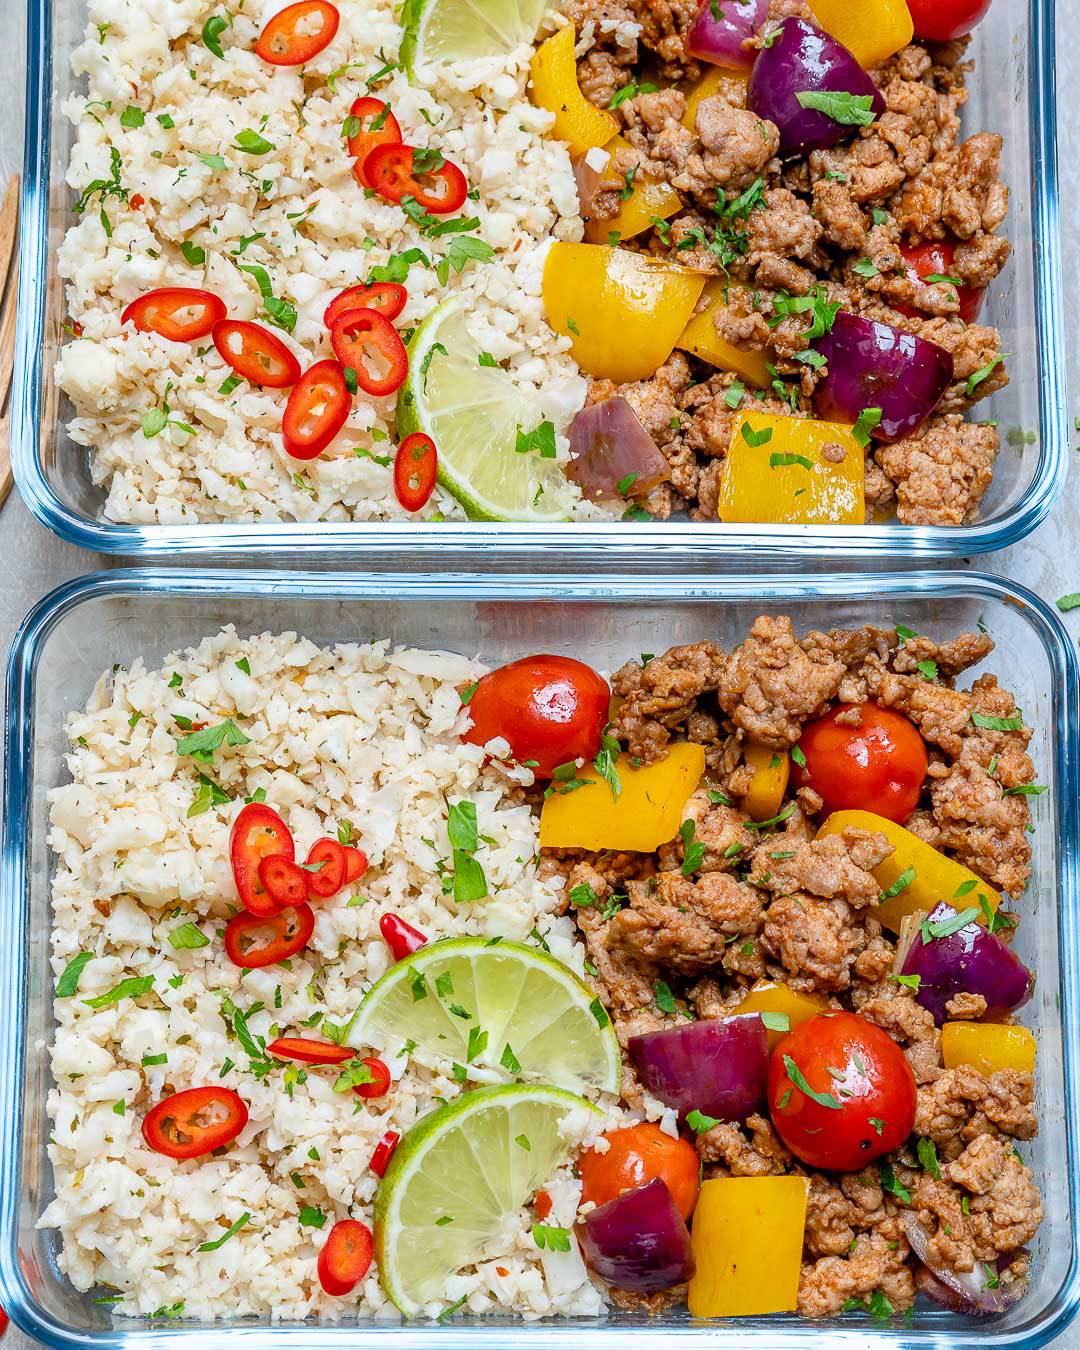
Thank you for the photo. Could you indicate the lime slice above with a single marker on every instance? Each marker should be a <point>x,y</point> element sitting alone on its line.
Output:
<point>473,413</point>
<point>474,1162</point>
<point>511,996</point>
<point>465,30</point>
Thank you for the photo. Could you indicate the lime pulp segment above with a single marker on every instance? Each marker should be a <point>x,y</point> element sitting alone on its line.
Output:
<point>467,30</point>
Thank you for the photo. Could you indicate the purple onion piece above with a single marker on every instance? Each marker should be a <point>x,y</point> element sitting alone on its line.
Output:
<point>719,41</point>
<point>613,455</point>
<point>960,1291</point>
<point>717,1067</point>
<point>970,961</point>
<point>638,1240</point>
<point>804,59</point>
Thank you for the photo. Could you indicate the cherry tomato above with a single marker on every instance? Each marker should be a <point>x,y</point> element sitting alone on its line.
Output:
<point>637,1155</point>
<point>416,469</point>
<point>316,410</point>
<point>551,709</point>
<point>377,126</point>
<point>284,882</point>
<point>255,354</point>
<point>195,1122</point>
<point>356,864</point>
<point>258,833</point>
<point>328,857</point>
<point>384,1151</point>
<point>368,343</point>
<point>282,43</point>
<point>943,20</point>
<point>878,766</point>
<point>346,1257</point>
<point>398,171</point>
<point>3,1321</point>
<point>308,1052</point>
<point>863,1102</point>
<point>380,1080</point>
<point>388,297</point>
<point>252,941</point>
<point>935,259</point>
<point>179,313</point>
<point>401,937</point>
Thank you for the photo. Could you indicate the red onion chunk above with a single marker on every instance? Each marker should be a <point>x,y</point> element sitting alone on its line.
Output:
<point>806,60</point>
<point>613,455</point>
<point>717,35</point>
<point>971,961</point>
<point>873,365</point>
<point>717,1067</point>
<point>638,1240</point>
<point>969,1291</point>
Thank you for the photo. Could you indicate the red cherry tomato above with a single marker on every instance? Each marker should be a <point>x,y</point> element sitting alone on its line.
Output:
<point>380,1080</point>
<point>943,20</point>
<point>416,469</point>
<point>879,766</point>
<point>356,864</point>
<point>346,1257</point>
<point>401,937</point>
<point>179,313</point>
<point>377,126</point>
<point>551,709</point>
<point>284,882</point>
<point>258,833</point>
<point>3,1321</point>
<point>863,1102</point>
<point>388,297</point>
<point>328,858</point>
<point>255,354</point>
<point>195,1122</point>
<point>252,941</point>
<point>316,410</point>
<point>281,42</point>
<point>935,259</point>
<point>384,1151</point>
<point>398,171</point>
<point>637,1155</point>
<point>368,343</point>
<point>308,1052</point>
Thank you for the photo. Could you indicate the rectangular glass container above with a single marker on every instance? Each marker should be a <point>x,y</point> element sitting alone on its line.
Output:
<point>84,627</point>
<point>1012,92</point>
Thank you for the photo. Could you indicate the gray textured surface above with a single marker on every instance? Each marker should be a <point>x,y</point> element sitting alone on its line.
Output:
<point>32,561</point>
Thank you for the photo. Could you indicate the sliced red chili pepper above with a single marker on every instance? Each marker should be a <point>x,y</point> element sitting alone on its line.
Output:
<point>328,859</point>
<point>542,1205</point>
<point>376,125</point>
<point>384,1151</point>
<point>380,1080</point>
<point>398,171</point>
<point>346,1257</point>
<point>252,941</point>
<point>136,201</point>
<point>316,410</point>
<point>356,864</point>
<point>255,354</point>
<point>284,882</point>
<point>308,1052</point>
<point>388,297</point>
<point>416,467</point>
<point>401,937</point>
<point>368,342</point>
<point>282,43</point>
<point>195,1122</point>
<point>179,313</point>
<point>258,833</point>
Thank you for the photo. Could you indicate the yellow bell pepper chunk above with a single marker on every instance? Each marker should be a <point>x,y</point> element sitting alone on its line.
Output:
<point>871,30</point>
<point>747,1241</point>
<point>928,877</point>
<point>700,338</point>
<point>770,780</point>
<point>627,311</point>
<point>767,996</point>
<point>775,473</point>
<point>708,86</point>
<point>648,202</point>
<point>555,87</point>
<point>987,1046</point>
<point>647,813</point>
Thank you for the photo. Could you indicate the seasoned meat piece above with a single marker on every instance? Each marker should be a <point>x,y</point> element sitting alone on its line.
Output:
<point>653,401</point>
<point>709,1000</point>
<point>844,222</point>
<point>813,940</point>
<point>769,686</point>
<point>783,229</point>
<point>1005,1207</point>
<point>653,1305</point>
<point>979,260</point>
<point>913,1026</point>
<point>942,473</point>
<point>966,1007</point>
<point>952,657</point>
<point>721,829</point>
<point>683,925</point>
<point>835,1213</point>
<point>736,147</point>
<point>763,1155</point>
<point>601,74</point>
<point>658,696</point>
<point>654,125</point>
<point>834,868</point>
<point>664,24</point>
<point>708,491</point>
<point>876,1262</point>
<point>982,827</point>
<point>625,986</point>
<point>975,197</point>
<point>854,648</point>
<point>962,1103</point>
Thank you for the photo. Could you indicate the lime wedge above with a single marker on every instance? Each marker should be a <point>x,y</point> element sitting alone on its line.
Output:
<point>512,1006</point>
<point>474,1162</point>
<point>465,30</point>
<point>473,413</point>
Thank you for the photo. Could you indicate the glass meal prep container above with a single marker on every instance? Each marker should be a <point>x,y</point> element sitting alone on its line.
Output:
<point>87,625</point>
<point>1012,93</point>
